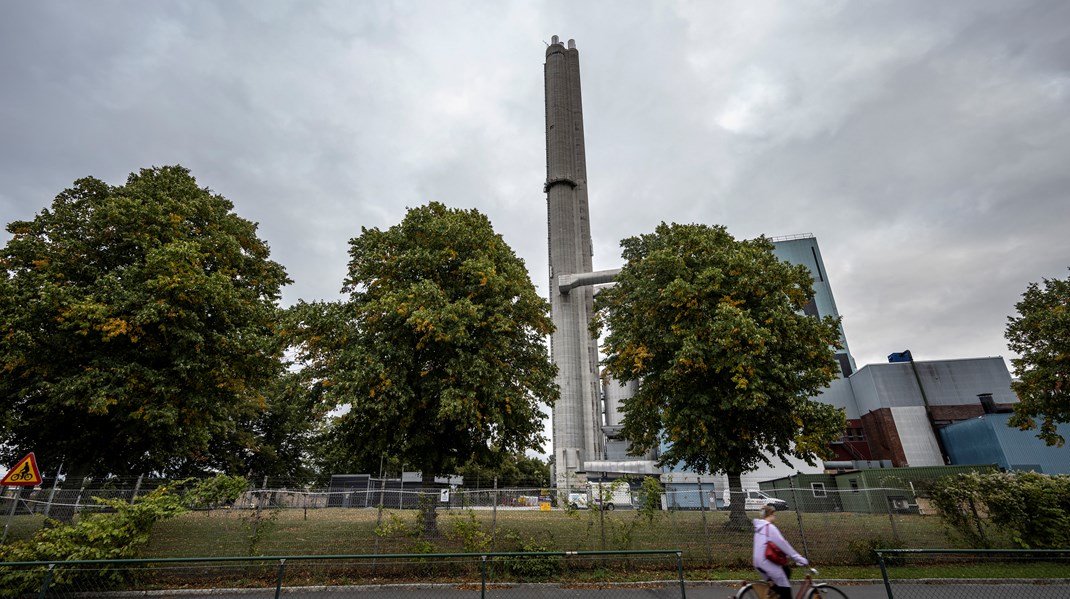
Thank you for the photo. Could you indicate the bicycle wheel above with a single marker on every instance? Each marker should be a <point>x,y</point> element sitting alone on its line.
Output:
<point>752,591</point>
<point>825,591</point>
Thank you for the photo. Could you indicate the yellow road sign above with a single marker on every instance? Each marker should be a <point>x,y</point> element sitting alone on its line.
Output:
<point>25,473</point>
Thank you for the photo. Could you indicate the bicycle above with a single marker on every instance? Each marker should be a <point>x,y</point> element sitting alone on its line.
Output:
<point>807,590</point>
<point>22,475</point>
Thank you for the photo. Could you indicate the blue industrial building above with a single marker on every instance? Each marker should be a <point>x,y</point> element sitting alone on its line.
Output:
<point>989,439</point>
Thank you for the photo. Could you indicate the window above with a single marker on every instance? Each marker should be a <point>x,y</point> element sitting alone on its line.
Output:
<point>818,489</point>
<point>856,434</point>
<point>854,485</point>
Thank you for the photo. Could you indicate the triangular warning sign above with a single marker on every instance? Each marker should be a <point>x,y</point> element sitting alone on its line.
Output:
<point>24,473</point>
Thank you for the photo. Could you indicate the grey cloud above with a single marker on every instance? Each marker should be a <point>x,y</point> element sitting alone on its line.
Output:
<point>922,143</point>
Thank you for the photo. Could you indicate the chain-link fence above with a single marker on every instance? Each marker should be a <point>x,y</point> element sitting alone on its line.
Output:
<point>838,527</point>
<point>975,574</point>
<point>519,575</point>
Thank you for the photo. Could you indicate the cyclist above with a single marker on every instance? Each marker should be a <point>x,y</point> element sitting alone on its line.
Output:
<point>776,574</point>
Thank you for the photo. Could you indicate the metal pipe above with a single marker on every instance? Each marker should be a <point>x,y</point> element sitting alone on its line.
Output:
<point>568,282</point>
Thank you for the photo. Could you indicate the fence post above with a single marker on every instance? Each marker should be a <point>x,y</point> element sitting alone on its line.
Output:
<point>137,487</point>
<point>379,518</point>
<point>602,509</point>
<point>11,515</point>
<point>494,515</point>
<point>884,573</point>
<point>680,572</point>
<point>256,515</point>
<point>483,571</point>
<point>705,526</point>
<point>382,498</point>
<point>278,584</point>
<point>798,516</point>
<point>78,500</point>
<point>891,518</point>
<point>52,493</point>
<point>47,581</point>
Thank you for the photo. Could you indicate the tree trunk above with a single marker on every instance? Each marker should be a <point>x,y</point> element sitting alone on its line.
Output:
<point>737,514</point>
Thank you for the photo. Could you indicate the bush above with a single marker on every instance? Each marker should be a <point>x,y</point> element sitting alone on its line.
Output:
<point>469,532</point>
<point>216,491</point>
<point>535,566</point>
<point>107,536</point>
<point>1033,509</point>
<point>410,535</point>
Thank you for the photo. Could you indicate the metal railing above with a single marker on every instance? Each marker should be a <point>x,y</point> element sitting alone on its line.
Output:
<point>463,574</point>
<point>975,574</point>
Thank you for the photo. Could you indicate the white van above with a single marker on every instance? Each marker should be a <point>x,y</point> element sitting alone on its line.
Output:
<point>617,495</point>
<point>756,500</point>
<point>577,501</point>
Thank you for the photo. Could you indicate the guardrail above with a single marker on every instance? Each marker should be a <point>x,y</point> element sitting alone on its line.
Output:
<point>974,573</point>
<point>326,575</point>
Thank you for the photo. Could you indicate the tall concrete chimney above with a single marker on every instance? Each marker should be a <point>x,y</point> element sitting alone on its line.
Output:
<point>577,414</point>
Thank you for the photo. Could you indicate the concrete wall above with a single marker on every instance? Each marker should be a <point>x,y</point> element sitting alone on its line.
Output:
<point>944,383</point>
<point>805,251</point>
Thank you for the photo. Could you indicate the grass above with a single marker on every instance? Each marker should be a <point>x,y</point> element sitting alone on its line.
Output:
<point>828,538</point>
<point>705,539</point>
<point>837,542</point>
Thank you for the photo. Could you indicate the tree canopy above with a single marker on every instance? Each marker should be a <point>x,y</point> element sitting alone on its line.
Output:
<point>437,357</point>
<point>279,440</point>
<point>137,326</point>
<point>1040,334</point>
<point>728,364</point>
<point>510,470</point>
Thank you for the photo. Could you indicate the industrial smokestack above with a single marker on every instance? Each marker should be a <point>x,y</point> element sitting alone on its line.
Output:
<point>576,418</point>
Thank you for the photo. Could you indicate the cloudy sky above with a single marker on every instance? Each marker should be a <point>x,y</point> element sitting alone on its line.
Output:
<point>925,144</point>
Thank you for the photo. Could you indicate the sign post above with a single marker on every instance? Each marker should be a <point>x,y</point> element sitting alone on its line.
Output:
<point>24,474</point>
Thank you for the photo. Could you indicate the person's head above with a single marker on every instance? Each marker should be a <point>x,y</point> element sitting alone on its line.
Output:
<point>768,513</point>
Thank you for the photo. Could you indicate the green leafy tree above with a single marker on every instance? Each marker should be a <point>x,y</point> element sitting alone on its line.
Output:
<point>137,327</point>
<point>510,471</point>
<point>438,356</point>
<point>282,439</point>
<point>1040,334</point>
<point>713,329</point>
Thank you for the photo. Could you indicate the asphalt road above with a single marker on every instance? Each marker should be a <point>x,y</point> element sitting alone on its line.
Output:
<point>696,590</point>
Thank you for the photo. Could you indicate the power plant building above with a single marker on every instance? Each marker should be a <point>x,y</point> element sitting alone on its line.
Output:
<point>895,411</point>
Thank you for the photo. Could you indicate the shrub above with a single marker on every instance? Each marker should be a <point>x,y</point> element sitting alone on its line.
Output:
<point>534,566</point>
<point>410,535</point>
<point>469,532</point>
<point>1033,509</point>
<point>216,491</point>
<point>105,536</point>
